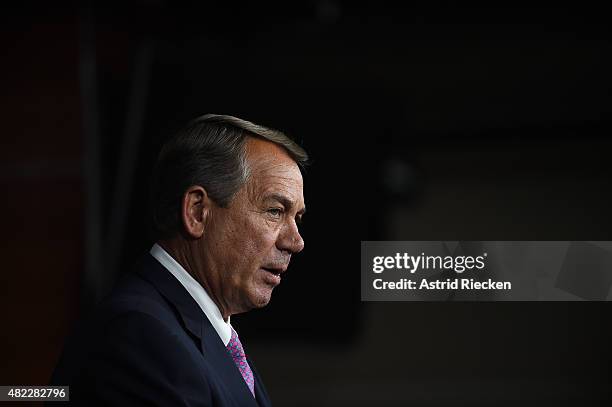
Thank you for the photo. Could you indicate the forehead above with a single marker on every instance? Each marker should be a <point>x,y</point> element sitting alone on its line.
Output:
<point>271,168</point>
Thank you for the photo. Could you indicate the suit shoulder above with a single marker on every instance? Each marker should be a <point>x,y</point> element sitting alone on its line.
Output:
<point>135,359</point>
<point>135,298</point>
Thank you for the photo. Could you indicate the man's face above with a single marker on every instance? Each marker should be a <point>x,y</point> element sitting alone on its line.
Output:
<point>249,244</point>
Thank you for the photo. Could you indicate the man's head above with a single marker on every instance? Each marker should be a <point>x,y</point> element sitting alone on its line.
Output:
<point>227,196</point>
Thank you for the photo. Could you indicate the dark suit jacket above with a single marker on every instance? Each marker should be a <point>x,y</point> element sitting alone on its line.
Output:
<point>149,343</point>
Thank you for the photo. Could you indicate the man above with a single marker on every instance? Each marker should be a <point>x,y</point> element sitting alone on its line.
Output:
<point>226,203</point>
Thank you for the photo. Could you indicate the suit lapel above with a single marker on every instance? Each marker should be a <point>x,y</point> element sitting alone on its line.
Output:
<point>216,352</point>
<point>260,391</point>
<point>198,325</point>
<point>172,290</point>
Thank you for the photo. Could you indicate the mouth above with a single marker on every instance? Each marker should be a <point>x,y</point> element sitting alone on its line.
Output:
<point>273,275</point>
<point>276,272</point>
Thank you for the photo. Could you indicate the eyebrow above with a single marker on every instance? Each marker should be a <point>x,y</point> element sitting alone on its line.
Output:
<point>286,202</point>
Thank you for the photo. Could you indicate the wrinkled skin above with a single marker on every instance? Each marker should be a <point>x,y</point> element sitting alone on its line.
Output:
<point>224,249</point>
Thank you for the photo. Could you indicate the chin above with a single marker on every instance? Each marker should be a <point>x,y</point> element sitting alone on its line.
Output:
<point>261,300</point>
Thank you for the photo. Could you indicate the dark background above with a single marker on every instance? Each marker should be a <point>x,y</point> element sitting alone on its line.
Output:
<point>430,122</point>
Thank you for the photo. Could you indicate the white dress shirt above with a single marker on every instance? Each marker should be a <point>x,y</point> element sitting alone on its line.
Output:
<point>199,294</point>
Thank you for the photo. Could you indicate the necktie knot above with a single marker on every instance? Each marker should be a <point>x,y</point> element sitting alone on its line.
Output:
<point>237,352</point>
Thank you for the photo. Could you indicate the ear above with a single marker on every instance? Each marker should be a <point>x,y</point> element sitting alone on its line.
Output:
<point>194,210</point>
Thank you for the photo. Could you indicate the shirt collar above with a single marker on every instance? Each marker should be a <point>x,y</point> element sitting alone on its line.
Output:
<point>199,294</point>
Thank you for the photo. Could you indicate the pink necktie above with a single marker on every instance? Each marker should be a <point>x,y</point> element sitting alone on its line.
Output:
<point>235,348</point>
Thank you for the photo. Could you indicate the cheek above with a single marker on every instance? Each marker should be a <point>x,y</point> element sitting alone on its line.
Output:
<point>258,240</point>
<point>243,246</point>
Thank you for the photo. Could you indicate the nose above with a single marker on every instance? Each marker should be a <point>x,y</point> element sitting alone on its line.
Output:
<point>290,239</point>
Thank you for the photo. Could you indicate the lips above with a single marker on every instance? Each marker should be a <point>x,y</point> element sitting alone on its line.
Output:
<point>273,274</point>
<point>275,269</point>
<point>276,272</point>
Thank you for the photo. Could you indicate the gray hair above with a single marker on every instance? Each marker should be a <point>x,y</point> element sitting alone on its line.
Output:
<point>210,152</point>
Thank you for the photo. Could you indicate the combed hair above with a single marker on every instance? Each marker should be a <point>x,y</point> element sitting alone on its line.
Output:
<point>211,152</point>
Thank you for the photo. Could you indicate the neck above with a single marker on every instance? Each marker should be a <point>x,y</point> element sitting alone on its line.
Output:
<point>186,254</point>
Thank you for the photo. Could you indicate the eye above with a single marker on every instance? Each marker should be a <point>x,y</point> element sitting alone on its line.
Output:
<point>275,212</point>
